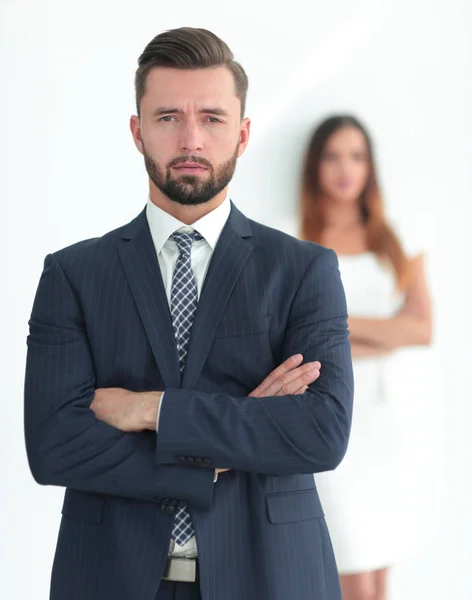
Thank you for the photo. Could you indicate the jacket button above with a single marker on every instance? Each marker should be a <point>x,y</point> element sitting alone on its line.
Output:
<point>207,461</point>
<point>199,462</point>
<point>167,509</point>
<point>190,460</point>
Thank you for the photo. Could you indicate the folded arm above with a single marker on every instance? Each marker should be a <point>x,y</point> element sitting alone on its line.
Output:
<point>412,325</point>
<point>66,444</point>
<point>297,433</point>
<point>367,350</point>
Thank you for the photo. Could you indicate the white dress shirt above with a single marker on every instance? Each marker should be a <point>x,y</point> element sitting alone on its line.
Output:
<point>162,225</point>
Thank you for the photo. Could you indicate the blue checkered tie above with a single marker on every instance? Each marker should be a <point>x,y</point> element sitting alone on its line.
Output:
<point>183,303</point>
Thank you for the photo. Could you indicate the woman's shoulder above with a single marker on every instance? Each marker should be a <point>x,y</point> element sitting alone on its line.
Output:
<point>414,231</point>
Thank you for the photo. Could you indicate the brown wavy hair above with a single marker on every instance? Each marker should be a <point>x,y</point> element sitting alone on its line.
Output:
<point>380,237</point>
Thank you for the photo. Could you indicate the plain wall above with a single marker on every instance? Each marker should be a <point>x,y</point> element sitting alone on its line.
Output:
<point>69,171</point>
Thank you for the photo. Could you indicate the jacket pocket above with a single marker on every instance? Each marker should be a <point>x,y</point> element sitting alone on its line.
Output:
<point>83,507</point>
<point>291,507</point>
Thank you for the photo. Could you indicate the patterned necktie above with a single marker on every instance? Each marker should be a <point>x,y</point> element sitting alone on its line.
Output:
<point>183,303</point>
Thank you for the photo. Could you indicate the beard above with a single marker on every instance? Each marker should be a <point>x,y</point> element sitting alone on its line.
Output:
<point>190,190</point>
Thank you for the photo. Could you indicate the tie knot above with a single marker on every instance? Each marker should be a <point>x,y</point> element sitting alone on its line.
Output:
<point>184,241</point>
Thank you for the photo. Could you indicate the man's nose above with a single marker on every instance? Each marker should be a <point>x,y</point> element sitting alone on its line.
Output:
<point>191,138</point>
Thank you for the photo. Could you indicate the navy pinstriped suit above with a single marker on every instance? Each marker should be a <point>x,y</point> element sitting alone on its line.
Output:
<point>101,319</point>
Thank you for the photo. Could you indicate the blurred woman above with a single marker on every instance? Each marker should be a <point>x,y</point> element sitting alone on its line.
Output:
<point>389,308</point>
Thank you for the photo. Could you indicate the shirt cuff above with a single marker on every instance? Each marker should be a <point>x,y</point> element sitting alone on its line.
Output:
<point>159,410</point>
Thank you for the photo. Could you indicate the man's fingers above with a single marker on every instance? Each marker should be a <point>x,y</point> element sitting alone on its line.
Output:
<point>289,382</point>
<point>303,379</point>
<point>311,375</point>
<point>288,365</point>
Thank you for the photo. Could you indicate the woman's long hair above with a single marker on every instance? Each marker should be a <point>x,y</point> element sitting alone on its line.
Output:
<point>380,238</point>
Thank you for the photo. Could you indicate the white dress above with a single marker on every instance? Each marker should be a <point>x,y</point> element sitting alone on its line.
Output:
<point>379,502</point>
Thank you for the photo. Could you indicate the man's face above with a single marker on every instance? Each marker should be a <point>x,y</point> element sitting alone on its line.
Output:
<point>190,132</point>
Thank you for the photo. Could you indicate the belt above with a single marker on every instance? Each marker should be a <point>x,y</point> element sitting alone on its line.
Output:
<point>179,568</point>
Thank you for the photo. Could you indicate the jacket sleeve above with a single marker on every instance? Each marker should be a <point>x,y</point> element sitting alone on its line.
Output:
<point>290,434</point>
<point>66,444</point>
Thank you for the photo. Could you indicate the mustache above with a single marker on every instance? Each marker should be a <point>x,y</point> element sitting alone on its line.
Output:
<point>190,158</point>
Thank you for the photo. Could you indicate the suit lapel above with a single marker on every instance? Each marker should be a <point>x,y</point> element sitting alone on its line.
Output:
<point>141,267</point>
<point>231,254</point>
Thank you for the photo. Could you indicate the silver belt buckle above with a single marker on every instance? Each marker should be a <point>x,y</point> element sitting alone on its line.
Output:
<point>180,569</point>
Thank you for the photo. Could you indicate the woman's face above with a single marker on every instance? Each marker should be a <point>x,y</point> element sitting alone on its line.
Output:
<point>344,165</point>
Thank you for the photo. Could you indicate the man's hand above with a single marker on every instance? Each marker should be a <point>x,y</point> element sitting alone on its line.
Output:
<point>126,410</point>
<point>288,378</point>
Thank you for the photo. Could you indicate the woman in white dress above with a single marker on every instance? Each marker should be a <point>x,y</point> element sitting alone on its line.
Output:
<point>364,500</point>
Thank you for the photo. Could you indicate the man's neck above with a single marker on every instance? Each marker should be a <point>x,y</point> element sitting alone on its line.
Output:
<point>186,214</point>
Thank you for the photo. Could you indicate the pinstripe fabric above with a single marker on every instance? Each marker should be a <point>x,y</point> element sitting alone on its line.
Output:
<point>101,319</point>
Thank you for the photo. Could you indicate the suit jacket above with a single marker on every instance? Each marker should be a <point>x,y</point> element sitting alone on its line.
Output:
<point>101,319</point>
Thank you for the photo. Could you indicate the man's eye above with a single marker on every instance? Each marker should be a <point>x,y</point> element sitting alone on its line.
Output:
<point>167,118</point>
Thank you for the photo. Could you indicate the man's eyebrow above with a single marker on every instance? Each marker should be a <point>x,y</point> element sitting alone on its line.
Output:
<point>164,110</point>
<point>214,111</point>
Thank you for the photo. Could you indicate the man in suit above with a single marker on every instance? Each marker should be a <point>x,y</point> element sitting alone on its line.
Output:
<point>164,384</point>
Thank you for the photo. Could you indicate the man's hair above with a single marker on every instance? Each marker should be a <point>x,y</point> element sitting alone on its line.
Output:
<point>189,48</point>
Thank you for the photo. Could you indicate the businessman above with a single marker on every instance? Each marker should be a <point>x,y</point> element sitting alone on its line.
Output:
<point>189,372</point>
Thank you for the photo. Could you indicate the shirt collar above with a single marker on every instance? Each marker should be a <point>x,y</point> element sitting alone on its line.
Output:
<point>162,225</point>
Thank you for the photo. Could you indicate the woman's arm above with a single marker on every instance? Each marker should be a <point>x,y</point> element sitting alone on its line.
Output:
<point>363,350</point>
<point>412,326</point>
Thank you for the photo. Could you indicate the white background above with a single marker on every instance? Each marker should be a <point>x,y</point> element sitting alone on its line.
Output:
<point>69,171</point>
